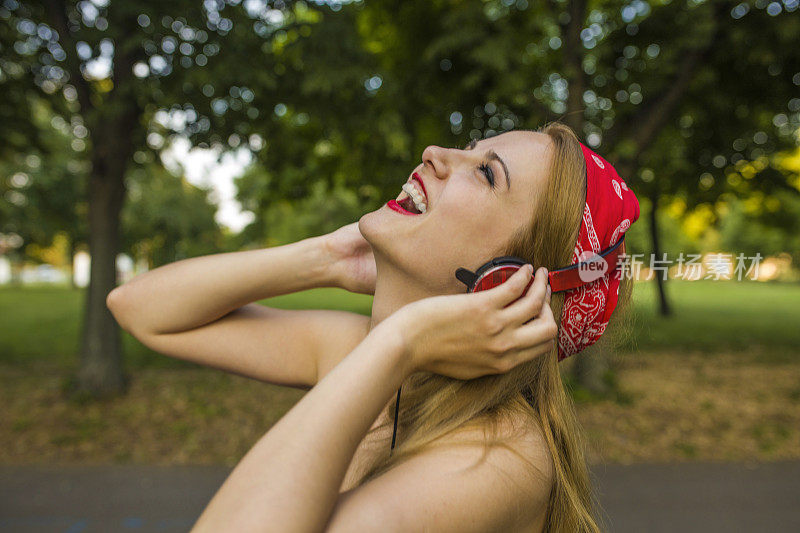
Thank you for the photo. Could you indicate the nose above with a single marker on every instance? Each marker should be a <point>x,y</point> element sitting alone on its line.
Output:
<point>439,160</point>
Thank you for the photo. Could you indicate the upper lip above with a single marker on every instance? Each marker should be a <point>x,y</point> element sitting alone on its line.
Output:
<point>416,176</point>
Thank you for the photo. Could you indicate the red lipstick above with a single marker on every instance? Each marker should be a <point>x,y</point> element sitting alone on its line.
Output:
<point>393,205</point>
<point>419,179</point>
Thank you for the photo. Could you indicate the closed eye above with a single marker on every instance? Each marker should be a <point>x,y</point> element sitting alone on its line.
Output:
<point>488,172</point>
<point>484,166</point>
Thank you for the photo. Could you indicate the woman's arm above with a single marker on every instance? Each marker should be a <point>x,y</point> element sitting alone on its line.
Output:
<point>197,309</point>
<point>289,481</point>
<point>192,292</point>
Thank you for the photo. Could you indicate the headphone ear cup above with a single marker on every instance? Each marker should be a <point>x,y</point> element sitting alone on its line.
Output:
<point>495,276</point>
<point>490,274</point>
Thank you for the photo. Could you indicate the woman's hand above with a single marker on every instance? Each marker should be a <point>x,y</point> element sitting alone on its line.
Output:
<point>353,264</point>
<point>465,336</point>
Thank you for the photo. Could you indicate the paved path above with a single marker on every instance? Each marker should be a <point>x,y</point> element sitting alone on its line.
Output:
<point>728,498</point>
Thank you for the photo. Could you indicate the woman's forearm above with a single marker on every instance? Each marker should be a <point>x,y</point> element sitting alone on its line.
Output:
<point>289,481</point>
<point>192,292</point>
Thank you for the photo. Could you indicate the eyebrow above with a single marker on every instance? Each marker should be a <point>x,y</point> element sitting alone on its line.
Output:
<point>492,155</point>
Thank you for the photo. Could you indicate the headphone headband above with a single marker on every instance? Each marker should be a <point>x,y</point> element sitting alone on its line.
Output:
<point>562,279</point>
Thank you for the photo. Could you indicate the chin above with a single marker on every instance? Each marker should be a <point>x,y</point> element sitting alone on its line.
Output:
<point>381,229</point>
<point>384,230</point>
<point>377,228</point>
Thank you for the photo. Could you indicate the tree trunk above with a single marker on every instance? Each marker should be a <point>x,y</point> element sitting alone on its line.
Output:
<point>664,307</point>
<point>114,131</point>
<point>15,263</point>
<point>101,369</point>
<point>573,66</point>
<point>590,367</point>
<point>72,246</point>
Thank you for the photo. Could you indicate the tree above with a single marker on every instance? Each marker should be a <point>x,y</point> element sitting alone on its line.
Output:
<point>657,87</point>
<point>656,101</point>
<point>682,109</point>
<point>111,67</point>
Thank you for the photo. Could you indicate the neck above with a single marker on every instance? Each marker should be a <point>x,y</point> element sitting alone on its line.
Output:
<point>394,288</point>
<point>392,291</point>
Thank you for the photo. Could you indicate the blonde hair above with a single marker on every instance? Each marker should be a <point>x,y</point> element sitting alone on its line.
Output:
<point>433,405</point>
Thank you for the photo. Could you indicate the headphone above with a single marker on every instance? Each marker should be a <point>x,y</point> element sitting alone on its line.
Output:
<point>496,271</point>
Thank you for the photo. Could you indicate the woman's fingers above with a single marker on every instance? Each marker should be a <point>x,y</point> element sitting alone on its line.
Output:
<point>530,304</point>
<point>538,332</point>
<point>530,340</point>
<point>523,321</point>
<point>510,289</point>
<point>515,359</point>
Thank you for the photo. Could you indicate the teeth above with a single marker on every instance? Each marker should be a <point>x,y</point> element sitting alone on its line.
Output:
<point>416,196</point>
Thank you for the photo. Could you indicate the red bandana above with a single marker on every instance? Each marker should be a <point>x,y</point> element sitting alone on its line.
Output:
<point>610,209</point>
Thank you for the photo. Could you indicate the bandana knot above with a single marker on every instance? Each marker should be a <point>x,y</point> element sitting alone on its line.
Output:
<point>609,210</point>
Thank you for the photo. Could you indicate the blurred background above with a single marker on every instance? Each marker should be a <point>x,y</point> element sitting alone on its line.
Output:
<point>134,133</point>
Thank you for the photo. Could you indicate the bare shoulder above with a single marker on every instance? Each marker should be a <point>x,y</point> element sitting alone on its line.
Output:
<point>526,439</point>
<point>520,455</point>
<point>458,484</point>
<point>517,442</point>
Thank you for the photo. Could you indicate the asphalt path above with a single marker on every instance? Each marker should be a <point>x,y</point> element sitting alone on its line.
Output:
<point>652,498</point>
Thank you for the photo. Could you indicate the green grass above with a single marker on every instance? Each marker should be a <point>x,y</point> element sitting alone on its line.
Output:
<point>43,323</point>
<point>719,315</point>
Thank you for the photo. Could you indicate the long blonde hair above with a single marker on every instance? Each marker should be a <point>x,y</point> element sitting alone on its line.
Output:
<point>433,405</point>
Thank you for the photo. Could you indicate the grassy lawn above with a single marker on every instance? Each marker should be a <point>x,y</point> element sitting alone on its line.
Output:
<point>693,405</point>
<point>719,380</point>
<point>42,324</point>
<point>719,315</point>
<point>671,406</point>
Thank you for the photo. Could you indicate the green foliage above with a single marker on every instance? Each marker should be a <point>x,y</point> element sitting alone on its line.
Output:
<point>166,218</point>
<point>668,106</point>
<point>769,226</point>
<point>674,239</point>
<point>335,129</point>
<point>42,186</point>
<point>323,211</point>
<point>733,84</point>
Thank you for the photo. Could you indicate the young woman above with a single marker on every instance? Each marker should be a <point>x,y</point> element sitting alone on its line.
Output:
<point>487,439</point>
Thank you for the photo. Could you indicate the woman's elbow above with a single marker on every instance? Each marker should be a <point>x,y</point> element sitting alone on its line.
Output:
<point>118,304</point>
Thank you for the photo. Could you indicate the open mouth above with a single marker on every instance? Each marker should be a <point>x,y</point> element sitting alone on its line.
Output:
<point>413,200</point>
